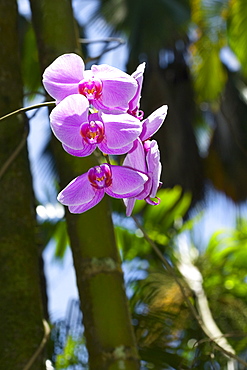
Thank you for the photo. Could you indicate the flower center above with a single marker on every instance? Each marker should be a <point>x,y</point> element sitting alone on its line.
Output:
<point>92,132</point>
<point>100,176</point>
<point>90,88</point>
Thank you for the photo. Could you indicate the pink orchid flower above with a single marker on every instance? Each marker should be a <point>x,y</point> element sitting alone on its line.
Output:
<point>105,87</point>
<point>87,190</point>
<point>146,158</point>
<point>81,133</point>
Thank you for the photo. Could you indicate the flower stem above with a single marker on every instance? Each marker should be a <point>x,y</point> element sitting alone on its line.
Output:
<point>25,109</point>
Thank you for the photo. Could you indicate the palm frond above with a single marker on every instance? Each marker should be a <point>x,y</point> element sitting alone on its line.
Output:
<point>237,31</point>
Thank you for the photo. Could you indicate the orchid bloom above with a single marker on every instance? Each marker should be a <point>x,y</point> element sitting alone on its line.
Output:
<point>81,132</point>
<point>87,190</point>
<point>146,158</point>
<point>105,87</point>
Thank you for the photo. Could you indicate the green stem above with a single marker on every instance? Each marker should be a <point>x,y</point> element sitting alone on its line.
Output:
<point>25,109</point>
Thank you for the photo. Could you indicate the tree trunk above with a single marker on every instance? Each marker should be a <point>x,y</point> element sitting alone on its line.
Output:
<point>108,330</point>
<point>20,308</point>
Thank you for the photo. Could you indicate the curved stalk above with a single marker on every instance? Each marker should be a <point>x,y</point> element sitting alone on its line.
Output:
<point>25,109</point>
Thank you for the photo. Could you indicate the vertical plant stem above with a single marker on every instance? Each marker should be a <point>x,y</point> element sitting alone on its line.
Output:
<point>20,298</point>
<point>109,334</point>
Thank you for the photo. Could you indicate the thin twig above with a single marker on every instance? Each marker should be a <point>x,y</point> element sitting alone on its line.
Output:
<point>25,109</point>
<point>182,289</point>
<point>47,331</point>
<point>106,40</point>
<point>17,150</point>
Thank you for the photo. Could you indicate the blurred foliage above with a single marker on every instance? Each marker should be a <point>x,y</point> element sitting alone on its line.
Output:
<point>67,342</point>
<point>163,18</point>
<point>29,58</point>
<point>167,332</point>
<point>209,18</point>
<point>56,231</point>
<point>226,256</point>
<point>69,356</point>
<point>237,33</point>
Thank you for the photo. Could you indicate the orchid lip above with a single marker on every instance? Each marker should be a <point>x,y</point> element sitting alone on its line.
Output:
<point>91,88</point>
<point>92,132</point>
<point>100,176</point>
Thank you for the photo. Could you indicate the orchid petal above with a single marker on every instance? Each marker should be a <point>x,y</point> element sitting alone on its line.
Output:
<point>129,203</point>
<point>138,76</point>
<point>105,149</point>
<point>126,182</point>
<point>99,194</point>
<point>120,129</point>
<point>154,166</point>
<point>118,87</point>
<point>61,78</point>
<point>78,191</point>
<point>87,150</point>
<point>153,122</point>
<point>147,188</point>
<point>136,157</point>
<point>66,119</point>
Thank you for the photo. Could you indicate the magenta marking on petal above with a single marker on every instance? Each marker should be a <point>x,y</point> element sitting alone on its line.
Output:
<point>136,113</point>
<point>100,176</point>
<point>92,132</point>
<point>91,88</point>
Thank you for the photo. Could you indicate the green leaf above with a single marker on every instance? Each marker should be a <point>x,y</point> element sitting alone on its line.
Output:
<point>237,30</point>
<point>62,240</point>
<point>69,356</point>
<point>173,206</point>
<point>131,244</point>
<point>30,63</point>
<point>209,73</point>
